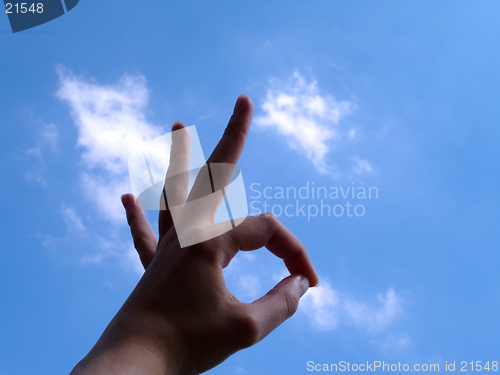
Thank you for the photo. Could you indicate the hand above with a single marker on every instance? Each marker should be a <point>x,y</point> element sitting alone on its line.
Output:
<point>181,318</point>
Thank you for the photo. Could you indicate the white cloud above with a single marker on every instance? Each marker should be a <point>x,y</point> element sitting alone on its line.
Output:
<point>72,220</point>
<point>328,309</point>
<point>374,318</point>
<point>111,125</point>
<point>352,134</point>
<point>322,305</point>
<point>306,117</point>
<point>361,166</point>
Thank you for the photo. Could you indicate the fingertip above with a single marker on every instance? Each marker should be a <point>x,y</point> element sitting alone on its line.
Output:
<point>250,101</point>
<point>123,198</point>
<point>242,102</point>
<point>304,285</point>
<point>313,281</point>
<point>314,278</point>
<point>127,199</point>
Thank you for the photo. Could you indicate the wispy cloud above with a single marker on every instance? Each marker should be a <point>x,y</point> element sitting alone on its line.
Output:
<point>361,166</point>
<point>74,227</point>
<point>244,284</point>
<point>48,138</point>
<point>375,317</point>
<point>328,309</point>
<point>240,370</point>
<point>392,342</point>
<point>72,220</point>
<point>325,308</point>
<point>307,117</point>
<point>249,286</point>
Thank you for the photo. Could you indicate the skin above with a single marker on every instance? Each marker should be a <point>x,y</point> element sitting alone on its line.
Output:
<point>181,318</point>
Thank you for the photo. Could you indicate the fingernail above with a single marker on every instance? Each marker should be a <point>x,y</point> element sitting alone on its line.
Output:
<point>174,125</point>
<point>304,285</point>
<point>240,102</point>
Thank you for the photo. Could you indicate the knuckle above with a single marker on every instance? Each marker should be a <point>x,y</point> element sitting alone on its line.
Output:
<point>131,218</point>
<point>246,331</point>
<point>270,219</point>
<point>288,300</point>
<point>234,129</point>
<point>269,216</point>
<point>208,249</point>
<point>291,304</point>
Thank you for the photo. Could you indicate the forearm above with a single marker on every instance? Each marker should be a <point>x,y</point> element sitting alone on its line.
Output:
<point>123,360</point>
<point>126,348</point>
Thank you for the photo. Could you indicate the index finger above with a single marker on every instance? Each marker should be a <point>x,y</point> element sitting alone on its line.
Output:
<point>266,230</point>
<point>175,188</point>
<point>231,145</point>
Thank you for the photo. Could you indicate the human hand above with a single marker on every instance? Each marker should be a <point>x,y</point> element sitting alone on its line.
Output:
<point>181,318</point>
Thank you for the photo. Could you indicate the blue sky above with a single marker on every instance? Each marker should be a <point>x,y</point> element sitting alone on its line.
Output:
<point>398,96</point>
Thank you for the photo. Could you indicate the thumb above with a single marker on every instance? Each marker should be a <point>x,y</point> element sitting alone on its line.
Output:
<point>279,304</point>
